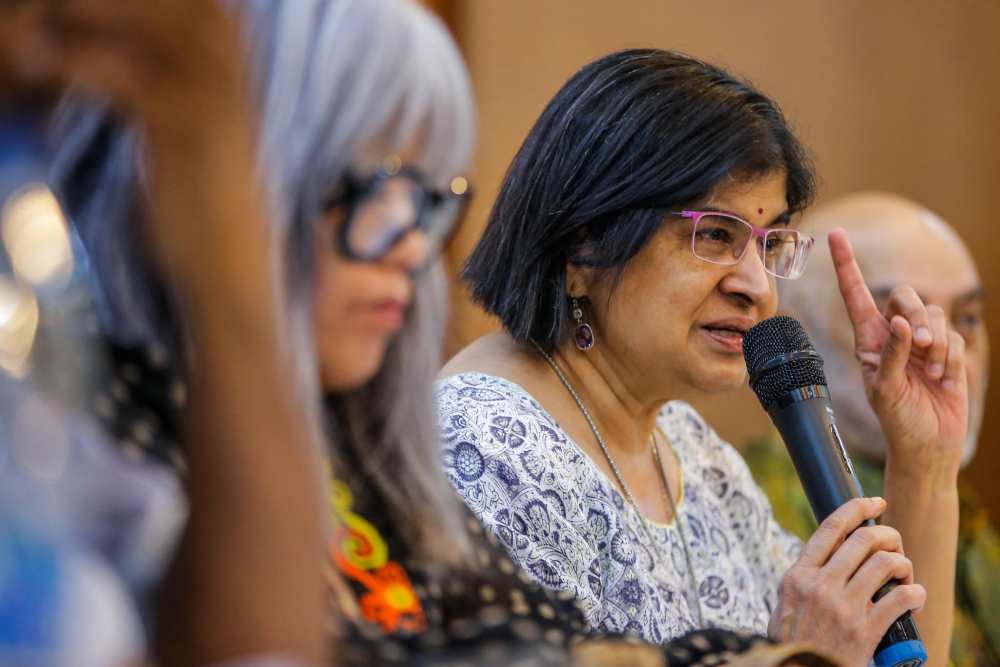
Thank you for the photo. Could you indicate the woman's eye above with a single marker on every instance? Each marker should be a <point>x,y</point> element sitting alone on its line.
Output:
<point>780,244</point>
<point>715,234</point>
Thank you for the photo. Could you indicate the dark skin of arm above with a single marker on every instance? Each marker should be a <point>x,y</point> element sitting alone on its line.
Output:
<point>247,576</point>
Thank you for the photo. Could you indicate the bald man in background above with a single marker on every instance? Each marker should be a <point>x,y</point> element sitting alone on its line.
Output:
<point>896,242</point>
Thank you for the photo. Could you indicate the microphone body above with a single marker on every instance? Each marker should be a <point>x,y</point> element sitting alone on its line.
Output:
<point>787,375</point>
<point>806,423</point>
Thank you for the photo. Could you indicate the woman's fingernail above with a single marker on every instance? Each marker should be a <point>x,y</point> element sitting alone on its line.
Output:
<point>923,335</point>
<point>896,328</point>
<point>936,370</point>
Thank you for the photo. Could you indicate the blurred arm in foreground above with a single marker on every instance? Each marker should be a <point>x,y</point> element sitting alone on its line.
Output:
<point>246,579</point>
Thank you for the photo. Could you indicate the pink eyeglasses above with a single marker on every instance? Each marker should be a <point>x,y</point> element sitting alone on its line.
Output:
<point>721,238</point>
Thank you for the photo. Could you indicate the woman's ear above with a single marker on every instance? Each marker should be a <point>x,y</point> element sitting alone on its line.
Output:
<point>578,280</point>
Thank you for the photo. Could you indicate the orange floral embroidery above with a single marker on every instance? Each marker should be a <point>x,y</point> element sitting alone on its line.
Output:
<point>363,556</point>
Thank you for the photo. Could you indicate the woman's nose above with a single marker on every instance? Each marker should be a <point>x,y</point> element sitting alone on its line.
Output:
<point>410,252</point>
<point>749,279</point>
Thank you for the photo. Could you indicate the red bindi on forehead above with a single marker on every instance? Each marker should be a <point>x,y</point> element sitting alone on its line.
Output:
<point>760,211</point>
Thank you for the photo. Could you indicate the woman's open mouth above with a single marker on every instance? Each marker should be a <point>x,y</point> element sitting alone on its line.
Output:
<point>727,334</point>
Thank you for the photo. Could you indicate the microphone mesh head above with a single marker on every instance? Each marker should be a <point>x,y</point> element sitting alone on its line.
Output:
<point>770,339</point>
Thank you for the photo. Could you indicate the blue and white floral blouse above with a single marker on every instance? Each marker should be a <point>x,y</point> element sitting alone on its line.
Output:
<point>566,524</point>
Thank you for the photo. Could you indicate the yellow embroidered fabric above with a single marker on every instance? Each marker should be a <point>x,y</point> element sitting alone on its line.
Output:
<point>362,555</point>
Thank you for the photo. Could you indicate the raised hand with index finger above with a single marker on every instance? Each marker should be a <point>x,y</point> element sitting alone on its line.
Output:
<point>913,368</point>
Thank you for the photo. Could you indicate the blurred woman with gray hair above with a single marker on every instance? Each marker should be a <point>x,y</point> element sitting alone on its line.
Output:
<point>339,137</point>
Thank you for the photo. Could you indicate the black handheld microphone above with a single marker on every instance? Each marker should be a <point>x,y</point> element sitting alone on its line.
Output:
<point>787,375</point>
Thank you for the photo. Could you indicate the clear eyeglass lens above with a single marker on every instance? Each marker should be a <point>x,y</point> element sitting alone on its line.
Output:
<point>720,239</point>
<point>781,252</point>
<point>384,215</point>
<point>440,221</point>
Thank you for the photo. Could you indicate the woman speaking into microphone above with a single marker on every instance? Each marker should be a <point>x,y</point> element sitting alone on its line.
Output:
<point>641,230</point>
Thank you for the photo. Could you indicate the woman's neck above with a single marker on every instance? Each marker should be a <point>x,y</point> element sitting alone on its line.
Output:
<point>620,400</point>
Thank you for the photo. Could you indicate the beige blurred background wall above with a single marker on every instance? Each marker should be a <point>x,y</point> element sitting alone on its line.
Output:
<point>898,95</point>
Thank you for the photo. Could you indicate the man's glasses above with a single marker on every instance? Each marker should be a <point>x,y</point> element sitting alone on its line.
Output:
<point>721,238</point>
<point>382,208</point>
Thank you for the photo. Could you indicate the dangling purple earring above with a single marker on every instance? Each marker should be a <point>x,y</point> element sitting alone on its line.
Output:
<point>584,334</point>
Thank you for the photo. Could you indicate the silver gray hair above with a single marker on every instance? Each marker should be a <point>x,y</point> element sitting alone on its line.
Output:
<point>333,77</point>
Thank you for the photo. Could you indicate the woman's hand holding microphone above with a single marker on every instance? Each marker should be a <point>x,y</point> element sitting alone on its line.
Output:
<point>914,372</point>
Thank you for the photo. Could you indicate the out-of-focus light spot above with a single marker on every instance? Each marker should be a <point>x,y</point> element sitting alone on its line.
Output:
<point>41,445</point>
<point>459,185</point>
<point>37,240</point>
<point>18,325</point>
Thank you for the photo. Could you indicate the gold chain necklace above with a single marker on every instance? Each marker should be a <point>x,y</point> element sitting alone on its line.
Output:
<point>668,494</point>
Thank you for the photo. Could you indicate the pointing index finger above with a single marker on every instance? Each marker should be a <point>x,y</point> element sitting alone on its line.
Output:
<point>858,299</point>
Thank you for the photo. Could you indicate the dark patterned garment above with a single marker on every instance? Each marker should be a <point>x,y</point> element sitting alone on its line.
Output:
<point>565,523</point>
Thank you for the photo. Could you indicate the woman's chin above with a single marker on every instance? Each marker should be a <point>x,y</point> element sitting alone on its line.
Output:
<point>720,377</point>
<point>344,373</point>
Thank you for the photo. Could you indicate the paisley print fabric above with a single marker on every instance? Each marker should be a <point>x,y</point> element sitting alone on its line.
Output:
<point>566,524</point>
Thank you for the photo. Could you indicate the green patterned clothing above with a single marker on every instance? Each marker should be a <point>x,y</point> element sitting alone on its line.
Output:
<point>976,633</point>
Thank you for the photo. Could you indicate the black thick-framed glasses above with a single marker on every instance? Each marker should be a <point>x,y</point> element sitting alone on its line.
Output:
<point>382,207</point>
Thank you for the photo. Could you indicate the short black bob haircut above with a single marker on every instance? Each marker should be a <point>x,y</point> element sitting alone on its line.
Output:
<point>629,138</point>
